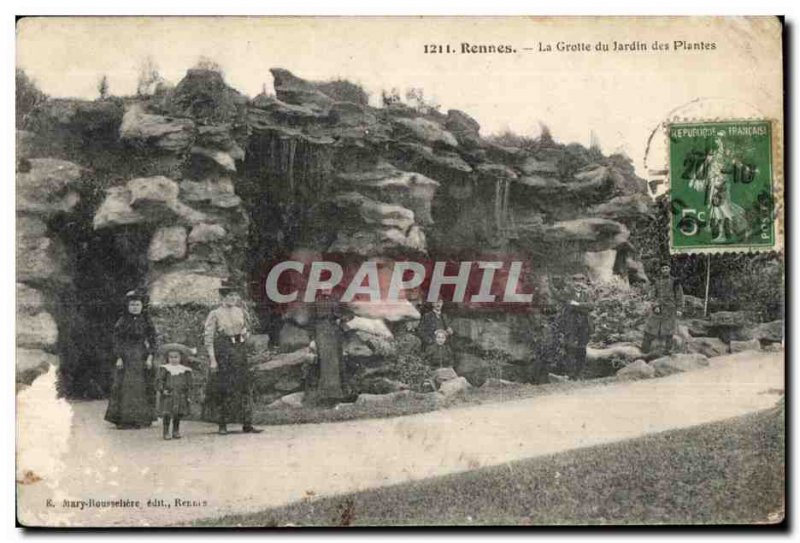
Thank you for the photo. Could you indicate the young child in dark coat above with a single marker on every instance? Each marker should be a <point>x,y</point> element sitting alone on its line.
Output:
<point>439,354</point>
<point>174,386</point>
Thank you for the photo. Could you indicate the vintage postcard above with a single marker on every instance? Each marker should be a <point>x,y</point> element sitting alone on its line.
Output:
<point>410,271</point>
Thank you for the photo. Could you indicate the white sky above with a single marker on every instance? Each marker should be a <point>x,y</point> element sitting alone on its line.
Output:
<point>622,97</point>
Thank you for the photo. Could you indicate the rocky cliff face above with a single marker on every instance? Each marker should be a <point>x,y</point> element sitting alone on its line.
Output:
<point>181,190</point>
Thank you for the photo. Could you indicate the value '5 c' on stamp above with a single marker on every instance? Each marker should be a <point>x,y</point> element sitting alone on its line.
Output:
<point>721,187</point>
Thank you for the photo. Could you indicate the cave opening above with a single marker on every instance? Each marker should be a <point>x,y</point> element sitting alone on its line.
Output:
<point>104,266</point>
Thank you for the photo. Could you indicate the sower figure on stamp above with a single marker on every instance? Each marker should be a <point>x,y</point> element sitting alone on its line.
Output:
<point>726,218</point>
<point>663,321</point>
<point>328,318</point>
<point>225,336</point>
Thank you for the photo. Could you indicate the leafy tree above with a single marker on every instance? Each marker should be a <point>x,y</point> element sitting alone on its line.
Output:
<point>28,96</point>
<point>149,77</point>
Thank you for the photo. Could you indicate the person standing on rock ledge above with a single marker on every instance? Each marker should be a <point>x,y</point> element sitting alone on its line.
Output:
<point>328,336</point>
<point>432,320</point>
<point>578,329</point>
<point>663,321</point>
<point>225,336</point>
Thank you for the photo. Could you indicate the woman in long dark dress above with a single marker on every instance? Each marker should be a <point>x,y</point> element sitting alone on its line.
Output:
<point>132,402</point>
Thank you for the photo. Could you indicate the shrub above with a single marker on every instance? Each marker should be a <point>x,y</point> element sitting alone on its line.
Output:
<point>617,308</point>
<point>410,369</point>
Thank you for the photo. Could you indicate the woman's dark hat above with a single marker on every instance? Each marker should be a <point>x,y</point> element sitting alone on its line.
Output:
<point>136,294</point>
<point>227,287</point>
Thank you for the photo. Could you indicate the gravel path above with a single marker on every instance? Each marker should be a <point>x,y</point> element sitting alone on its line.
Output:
<point>216,475</point>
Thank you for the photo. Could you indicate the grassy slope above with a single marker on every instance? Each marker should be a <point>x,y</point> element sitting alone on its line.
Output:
<point>726,472</point>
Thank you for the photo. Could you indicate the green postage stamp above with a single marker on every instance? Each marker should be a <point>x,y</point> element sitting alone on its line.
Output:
<point>721,187</point>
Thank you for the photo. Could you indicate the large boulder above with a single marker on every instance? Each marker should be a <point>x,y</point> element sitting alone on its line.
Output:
<point>219,137</point>
<point>628,206</point>
<point>453,387</point>
<point>535,167</point>
<point>49,186</point>
<point>357,208</point>
<point>150,200</point>
<point>603,362</point>
<point>168,243</point>
<point>152,191</point>
<point>373,327</point>
<point>728,325</point>
<point>223,159</point>
<point>622,351</point>
<point>592,234</point>
<point>698,327</point>
<point>217,191</point>
<point>441,375</point>
<point>707,346</point>
<point>350,114</point>
<point>275,362</point>
<point>41,260</point>
<point>411,155</point>
<point>206,233</point>
<point>465,129</point>
<point>185,288</point>
<point>381,241</point>
<point>768,332</point>
<point>266,109</point>
<point>164,133</point>
<point>355,347</point>
<point>385,183</point>
<point>492,171</point>
<point>399,311</point>
<point>280,369</point>
<point>424,130</point>
<point>204,96</point>
<point>294,90</point>
<point>638,369</point>
<point>37,331</point>
<point>116,210</point>
<point>677,363</point>
<point>749,345</point>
